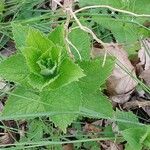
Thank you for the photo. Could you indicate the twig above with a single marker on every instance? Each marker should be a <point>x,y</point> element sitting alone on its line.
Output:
<point>58,3</point>
<point>70,43</point>
<point>69,9</point>
<point>84,28</point>
<point>70,12</point>
<point>136,104</point>
<point>112,8</point>
<point>66,34</point>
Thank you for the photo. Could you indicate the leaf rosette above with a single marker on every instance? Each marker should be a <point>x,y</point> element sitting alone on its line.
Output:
<point>45,63</point>
<point>42,64</point>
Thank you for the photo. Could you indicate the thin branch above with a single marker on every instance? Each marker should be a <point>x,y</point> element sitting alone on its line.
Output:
<point>66,34</point>
<point>70,43</point>
<point>84,28</point>
<point>112,8</point>
<point>136,104</point>
<point>58,3</point>
<point>70,12</point>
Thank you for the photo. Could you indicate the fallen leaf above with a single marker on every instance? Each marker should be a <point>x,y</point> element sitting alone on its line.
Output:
<point>66,3</point>
<point>120,84</point>
<point>8,136</point>
<point>2,84</point>
<point>109,145</point>
<point>121,98</point>
<point>147,109</point>
<point>68,147</point>
<point>54,4</point>
<point>145,75</point>
<point>4,87</point>
<point>114,146</point>
<point>91,128</point>
<point>1,106</point>
<point>6,139</point>
<point>144,54</point>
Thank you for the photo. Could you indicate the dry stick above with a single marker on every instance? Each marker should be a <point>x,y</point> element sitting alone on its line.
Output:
<point>67,31</point>
<point>136,103</point>
<point>84,28</point>
<point>70,43</point>
<point>66,35</point>
<point>58,3</point>
<point>90,31</point>
<point>112,8</point>
<point>67,39</point>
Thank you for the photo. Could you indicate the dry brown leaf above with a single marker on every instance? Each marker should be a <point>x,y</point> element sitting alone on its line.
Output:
<point>109,145</point>
<point>145,61</point>
<point>120,84</point>
<point>68,147</point>
<point>9,50</point>
<point>121,98</point>
<point>4,87</point>
<point>91,128</point>
<point>145,75</point>
<point>1,106</point>
<point>54,4</point>
<point>66,3</point>
<point>2,83</point>
<point>147,109</point>
<point>6,139</point>
<point>114,146</point>
<point>144,55</point>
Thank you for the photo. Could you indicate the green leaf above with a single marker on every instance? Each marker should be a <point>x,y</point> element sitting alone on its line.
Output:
<point>129,120</point>
<point>108,131</point>
<point>35,131</point>
<point>127,147</point>
<point>2,5</point>
<point>32,55</point>
<point>146,139</point>
<point>114,3</point>
<point>56,53</point>
<point>22,101</point>
<point>137,137</point>
<point>39,82</point>
<point>137,6</point>
<point>98,103</point>
<point>62,100</point>
<point>38,40</point>
<point>26,11</point>
<point>133,136</point>
<point>20,34</point>
<point>57,36</point>
<point>132,49</point>
<point>47,62</point>
<point>81,40</point>
<point>123,32</point>
<point>69,72</point>
<point>14,68</point>
<point>96,74</point>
